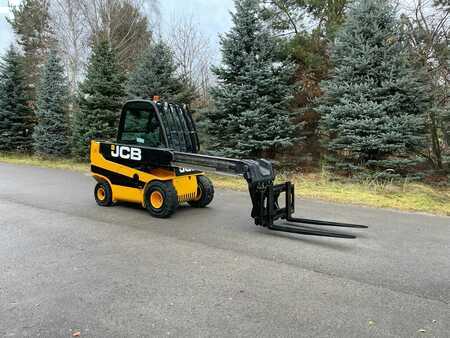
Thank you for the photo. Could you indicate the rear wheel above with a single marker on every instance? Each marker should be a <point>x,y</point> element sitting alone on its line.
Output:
<point>160,199</point>
<point>103,194</point>
<point>205,192</point>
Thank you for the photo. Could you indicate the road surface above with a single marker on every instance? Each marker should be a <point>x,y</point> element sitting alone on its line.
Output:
<point>68,266</point>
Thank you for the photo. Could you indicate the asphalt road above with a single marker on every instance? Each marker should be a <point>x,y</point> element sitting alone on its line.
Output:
<point>67,265</point>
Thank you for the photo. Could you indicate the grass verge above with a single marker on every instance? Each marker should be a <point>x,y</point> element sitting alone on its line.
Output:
<point>58,163</point>
<point>321,186</point>
<point>408,196</point>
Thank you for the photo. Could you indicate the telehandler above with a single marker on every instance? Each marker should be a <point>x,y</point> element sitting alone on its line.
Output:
<point>155,163</point>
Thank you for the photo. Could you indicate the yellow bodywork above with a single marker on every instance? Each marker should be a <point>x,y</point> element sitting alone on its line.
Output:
<point>186,185</point>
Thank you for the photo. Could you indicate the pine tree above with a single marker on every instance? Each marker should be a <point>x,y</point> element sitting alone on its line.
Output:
<point>102,95</point>
<point>15,114</point>
<point>52,131</point>
<point>373,107</point>
<point>253,93</point>
<point>31,24</point>
<point>308,46</point>
<point>155,75</point>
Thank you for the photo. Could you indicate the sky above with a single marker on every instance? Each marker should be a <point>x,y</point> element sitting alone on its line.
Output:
<point>212,16</point>
<point>5,29</point>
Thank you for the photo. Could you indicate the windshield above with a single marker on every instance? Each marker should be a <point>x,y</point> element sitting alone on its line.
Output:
<point>141,126</point>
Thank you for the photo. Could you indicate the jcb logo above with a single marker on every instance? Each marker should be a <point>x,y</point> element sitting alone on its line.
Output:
<point>185,170</point>
<point>126,152</point>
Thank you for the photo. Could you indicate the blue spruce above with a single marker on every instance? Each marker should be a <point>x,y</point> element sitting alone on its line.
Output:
<point>251,116</point>
<point>51,134</point>
<point>374,104</point>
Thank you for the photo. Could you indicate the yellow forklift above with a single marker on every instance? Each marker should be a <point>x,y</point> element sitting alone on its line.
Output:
<point>155,162</point>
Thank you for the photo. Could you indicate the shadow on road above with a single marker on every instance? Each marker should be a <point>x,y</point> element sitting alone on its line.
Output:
<point>346,244</point>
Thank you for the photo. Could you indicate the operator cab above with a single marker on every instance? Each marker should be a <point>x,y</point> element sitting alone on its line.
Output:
<point>158,125</point>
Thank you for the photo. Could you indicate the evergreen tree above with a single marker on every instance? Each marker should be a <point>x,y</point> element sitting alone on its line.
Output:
<point>101,98</point>
<point>155,74</point>
<point>373,108</point>
<point>429,50</point>
<point>252,96</point>
<point>31,24</point>
<point>51,132</point>
<point>15,113</point>
<point>308,46</point>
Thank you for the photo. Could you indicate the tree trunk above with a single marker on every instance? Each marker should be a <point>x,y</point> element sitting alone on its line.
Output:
<point>436,147</point>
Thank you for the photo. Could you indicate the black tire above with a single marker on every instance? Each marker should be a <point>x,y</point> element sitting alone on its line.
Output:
<point>103,194</point>
<point>167,194</point>
<point>205,190</point>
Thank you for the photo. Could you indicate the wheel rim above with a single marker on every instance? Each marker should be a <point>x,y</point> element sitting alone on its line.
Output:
<point>156,199</point>
<point>101,194</point>
<point>199,194</point>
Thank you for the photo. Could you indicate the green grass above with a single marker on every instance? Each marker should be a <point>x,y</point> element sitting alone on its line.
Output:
<point>321,186</point>
<point>58,163</point>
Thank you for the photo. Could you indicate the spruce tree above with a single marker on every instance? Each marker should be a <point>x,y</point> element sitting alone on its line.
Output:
<point>101,98</point>
<point>373,107</point>
<point>15,114</point>
<point>51,134</point>
<point>253,92</point>
<point>309,48</point>
<point>155,75</point>
<point>31,23</point>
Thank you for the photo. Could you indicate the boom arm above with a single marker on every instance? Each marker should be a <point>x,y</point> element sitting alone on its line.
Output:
<point>254,171</point>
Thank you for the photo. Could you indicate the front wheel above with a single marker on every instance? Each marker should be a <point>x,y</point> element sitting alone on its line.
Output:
<point>160,199</point>
<point>205,192</point>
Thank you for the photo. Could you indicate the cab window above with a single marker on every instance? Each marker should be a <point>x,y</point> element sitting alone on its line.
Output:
<point>141,127</point>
